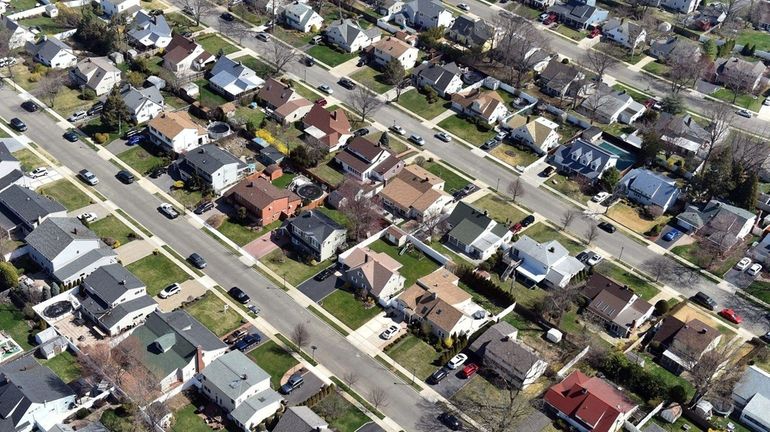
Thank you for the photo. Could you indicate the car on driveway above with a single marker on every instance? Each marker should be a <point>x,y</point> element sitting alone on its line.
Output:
<point>203,208</point>
<point>672,235</point>
<point>361,132</point>
<point>239,295</point>
<point>87,217</point>
<point>38,172</point>
<point>168,210</point>
<point>443,136</point>
<point>469,370</point>
<point>235,336</point>
<point>730,315</point>
<point>71,136</point>
<point>601,196</point>
<point>398,129</point>
<point>456,361</point>
<point>490,144</point>
<point>608,227</point>
<point>295,381</point>
<point>77,116</point>
<point>326,89</point>
<point>30,106</point>
<point>88,177</point>
<point>438,376</point>
<point>125,176</point>
<point>744,113</point>
<point>743,264</point>
<point>754,269</point>
<point>547,171</point>
<point>248,342</point>
<point>18,124</point>
<point>704,300</point>
<point>389,332</point>
<point>136,139</point>
<point>593,258</point>
<point>347,83</point>
<point>324,274</point>
<point>264,37</point>
<point>170,290</point>
<point>527,221</point>
<point>449,420</point>
<point>95,108</point>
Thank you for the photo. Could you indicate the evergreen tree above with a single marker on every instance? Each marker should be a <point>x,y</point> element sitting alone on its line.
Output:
<point>672,104</point>
<point>610,178</point>
<point>9,277</point>
<point>115,110</point>
<point>710,49</point>
<point>385,139</point>
<point>746,193</point>
<point>394,72</point>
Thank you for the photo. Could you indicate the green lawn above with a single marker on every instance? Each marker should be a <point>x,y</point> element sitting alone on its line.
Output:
<point>207,95</point>
<point>210,311</point>
<point>188,198</point>
<point>760,290</point>
<point>371,79</point>
<point>347,419</point>
<point>12,322</point>
<point>743,100</point>
<point>754,37</point>
<point>186,420</point>
<point>414,355</point>
<point>110,226</point>
<point>292,37</point>
<point>542,233</point>
<point>157,272</point>
<point>142,160</point>
<point>415,263</point>
<point>213,43</point>
<point>638,284</point>
<point>416,102</point>
<point>66,193</point>
<point>570,33</point>
<point>568,187</point>
<point>47,25</point>
<point>635,95</point>
<point>241,234</point>
<point>326,172</point>
<point>719,268</point>
<point>284,181</point>
<point>28,160</point>
<point>335,215</point>
<point>499,209</point>
<point>452,181</point>
<point>258,66</point>
<point>329,55</point>
<point>295,272</point>
<point>118,420</point>
<point>274,360</point>
<point>348,309</point>
<point>466,130</point>
<point>65,365</point>
<point>657,68</point>
<point>514,156</point>
<point>666,376</point>
<point>246,114</point>
<point>21,5</point>
<point>95,126</point>
<point>181,23</point>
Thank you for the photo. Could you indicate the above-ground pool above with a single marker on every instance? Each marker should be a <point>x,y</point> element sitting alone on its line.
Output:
<point>57,309</point>
<point>625,159</point>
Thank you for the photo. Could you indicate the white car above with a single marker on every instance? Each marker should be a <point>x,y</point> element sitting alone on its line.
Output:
<point>398,129</point>
<point>326,89</point>
<point>743,264</point>
<point>420,141</point>
<point>464,7</point>
<point>170,290</point>
<point>38,172</point>
<point>87,217</point>
<point>754,269</point>
<point>457,361</point>
<point>594,258</point>
<point>389,332</point>
<point>77,116</point>
<point>601,196</point>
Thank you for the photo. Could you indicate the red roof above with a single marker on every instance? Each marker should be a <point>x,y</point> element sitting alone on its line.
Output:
<point>589,400</point>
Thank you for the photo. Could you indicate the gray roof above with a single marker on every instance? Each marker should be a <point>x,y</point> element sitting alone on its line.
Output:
<point>5,153</point>
<point>758,409</point>
<point>110,282</point>
<point>51,47</point>
<point>713,210</point>
<point>52,236</point>
<point>663,47</point>
<point>428,8</point>
<point>440,75</point>
<point>558,75</point>
<point>231,75</point>
<point>300,419</point>
<point>467,223</point>
<point>116,314</point>
<point>350,30</point>
<point>655,187</point>
<point>246,410</point>
<point>234,373</point>
<point>91,427</point>
<point>77,266</point>
<point>576,10</point>
<point>209,159</point>
<point>27,206</point>
<point>314,223</point>
<point>590,159</point>
<point>477,30</point>
<point>303,11</point>
<point>753,381</point>
<point>10,178</point>
<point>154,27</point>
<point>134,97</point>
<point>548,253</point>
<point>513,355</point>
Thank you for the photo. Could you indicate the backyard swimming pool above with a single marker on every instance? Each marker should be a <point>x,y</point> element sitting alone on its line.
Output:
<point>625,159</point>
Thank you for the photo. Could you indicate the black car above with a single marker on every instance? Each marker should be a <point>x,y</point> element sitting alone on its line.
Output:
<point>361,132</point>
<point>766,337</point>
<point>450,421</point>
<point>295,381</point>
<point>239,295</point>
<point>438,376</point>
<point>30,106</point>
<point>71,136</point>
<point>323,275</point>
<point>197,261</point>
<point>227,16</point>
<point>490,144</point>
<point>157,172</point>
<point>248,342</point>
<point>527,221</point>
<point>125,176</point>
<point>347,83</point>
<point>203,208</point>
<point>310,61</point>
<point>547,171</point>
<point>19,125</point>
<point>156,12</point>
<point>606,226</point>
<point>95,108</point>
<point>704,300</point>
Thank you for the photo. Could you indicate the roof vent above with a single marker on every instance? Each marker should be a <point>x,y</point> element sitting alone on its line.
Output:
<point>703,331</point>
<point>122,282</point>
<point>551,249</point>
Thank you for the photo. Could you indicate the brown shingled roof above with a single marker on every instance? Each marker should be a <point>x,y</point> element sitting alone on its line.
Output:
<point>260,192</point>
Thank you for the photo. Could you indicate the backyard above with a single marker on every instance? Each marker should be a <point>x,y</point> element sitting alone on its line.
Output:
<point>414,355</point>
<point>13,323</point>
<point>157,272</point>
<point>187,420</point>
<point>758,38</point>
<point>466,130</point>
<point>214,314</point>
<point>452,181</point>
<point>371,79</point>
<point>286,266</point>
<point>207,96</point>
<point>142,160</point>
<point>110,226</point>
<point>66,193</point>
<point>348,309</point>
<point>499,209</point>
<point>639,285</point>
<point>327,173</point>
<point>417,103</point>
<point>629,217</point>
<point>341,414</point>
<point>275,360</point>
<point>64,365</point>
<point>415,263</point>
<point>329,56</point>
<point>541,232</point>
<point>45,24</point>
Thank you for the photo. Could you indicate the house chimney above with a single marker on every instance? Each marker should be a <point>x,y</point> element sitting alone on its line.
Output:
<point>199,365</point>
<point>123,282</point>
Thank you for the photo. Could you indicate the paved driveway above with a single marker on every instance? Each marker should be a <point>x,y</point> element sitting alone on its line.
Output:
<point>683,239</point>
<point>191,289</point>
<point>374,327</point>
<point>260,246</point>
<point>452,383</point>
<point>311,386</point>
<point>134,251</point>
<point>741,279</point>
<point>318,290</point>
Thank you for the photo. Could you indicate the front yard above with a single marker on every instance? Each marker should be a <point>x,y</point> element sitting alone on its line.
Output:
<point>142,159</point>
<point>692,252</point>
<point>275,360</point>
<point>570,33</point>
<point>415,263</point>
<point>452,181</point>
<point>214,43</point>
<point>514,156</point>
<point>466,130</point>
<point>541,232</point>
<point>568,187</point>
<point>348,309</point>
<point>499,209</point>
<point>212,312</point>
<point>760,289</point>
<point>110,226</point>
<point>414,355</point>
<point>287,266</point>
<point>341,414</point>
<point>638,284</point>
<point>294,38</point>
<point>330,56</point>
<point>657,68</point>
<point>242,234</point>
<point>372,79</point>
<point>417,103</point>
<point>743,100</point>
<point>64,365</point>
<point>629,217</point>
<point>28,160</point>
<point>66,193</point>
<point>157,272</point>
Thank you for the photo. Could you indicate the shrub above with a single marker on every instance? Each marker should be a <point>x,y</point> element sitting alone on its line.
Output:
<point>9,276</point>
<point>662,307</point>
<point>82,413</point>
<point>89,94</point>
<point>677,393</point>
<point>101,138</point>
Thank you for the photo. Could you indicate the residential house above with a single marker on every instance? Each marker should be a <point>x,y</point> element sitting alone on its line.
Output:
<point>19,35</point>
<point>538,133</point>
<point>391,48</point>
<point>648,188</point>
<point>33,397</point>
<point>327,129</point>
<point>589,403</point>
<point>752,397</point>
<point>216,167</point>
<point>265,202</point>
<point>608,106</point>
<point>96,73</point>
<point>374,272</point>
<point>446,79</point>
<point>738,74</point>
<point>540,4</point>
<point>302,17</point>
<point>624,32</point>
<point>268,5</point>
<point>10,167</point>
<point>560,80</point>
<point>683,134</point>
<point>425,14</point>
<point>125,7</point>
<point>184,55</point>
<point>67,250</point>
<point>232,79</point>
<point>415,193</point>
<point>486,105</point>
<point>365,160</point>
<point>475,233</point>
<point>241,388</point>
<point>473,33</point>
<point>314,234</point>
<point>584,159</point>
<point>389,8</point>
<point>175,131</point>
<point>761,17</point>
<point>175,347</point>
<point>282,102</point>
<point>663,48</point>
<point>149,31</point>
<point>548,263</point>
<point>707,17</point>
<point>438,300</point>
<point>683,344</point>
<point>144,104</point>
<point>349,37</point>
<point>23,209</point>
<point>301,419</point>
<point>114,299</point>
<point>618,307</point>
<point>722,223</point>
<point>52,52</point>
<point>515,362</point>
<point>579,14</point>
<point>681,6</point>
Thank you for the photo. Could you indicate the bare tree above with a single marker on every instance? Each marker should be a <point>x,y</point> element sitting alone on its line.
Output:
<point>378,397</point>
<point>433,223</point>
<point>50,86</point>
<point>350,378</point>
<point>113,364</point>
<point>300,336</point>
<point>591,233</point>
<point>515,189</point>
<point>721,116</point>
<point>365,102</point>
<point>333,407</point>
<point>279,55</point>
<point>553,306</point>
<point>567,218</point>
<point>598,62</point>
<point>596,101</point>
<point>750,151</point>
<point>361,211</point>
<point>704,374</point>
<point>659,267</point>
<point>686,66</point>
<point>518,42</point>
<point>501,410</point>
<point>197,8</point>
<point>5,49</point>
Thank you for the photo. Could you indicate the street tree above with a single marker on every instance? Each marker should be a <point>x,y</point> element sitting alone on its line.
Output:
<point>598,62</point>
<point>115,111</point>
<point>721,116</point>
<point>279,55</point>
<point>567,218</point>
<point>378,397</point>
<point>660,267</point>
<point>350,378</point>
<point>686,67</point>
<point>50,85</point>
<point>394,74</point>
<point>515,189</point>
<point>198,8</point>
<point>300,336</point>
<point>672,104</point>
<point>5,49</point>
<point>592,232</point>
<point>365,102</point>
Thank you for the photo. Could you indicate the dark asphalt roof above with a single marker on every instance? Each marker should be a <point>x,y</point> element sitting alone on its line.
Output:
<point>27,205</point>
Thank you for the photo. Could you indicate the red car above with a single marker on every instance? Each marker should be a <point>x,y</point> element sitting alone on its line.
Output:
<point>321,102</point>
<point>595,32</point>
<point>469,370</point>
<point>731,316</point>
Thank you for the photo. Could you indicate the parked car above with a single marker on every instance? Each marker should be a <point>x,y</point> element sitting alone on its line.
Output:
<point>463,6</point>
<point>593,258</point>
<point>744,113</point>
<point>203,208</point>
<point>443,136</point>
<point>235,336</point>
<point>450,421</point>
<point>248,342</point>
<point>96,108</point>
<point>264,37</point>
<point>168,210</point>
<point>324,274</point>
<point>227,16</point>
<point>743,264</point>
<point>547,171</point>
<point>398,129</point>
<point>418,140</point>
<point>672,235</point>
<point>326,89</point>
<point>730,315</point>
<point>77,116</point>
<point>30,106</point>
<point>295,381</point>
<point>71,136</point>
<point>501,135</point>
<point>595,32</point>
<point>125,176</point>
<point>170,290</point>
<point>389,332</point>
<point>136,139</point>
<point>239,295</point>
<point>88,177</point>
<point>197,261</point>
<point>527,221</point>
<point>606,226</point>
<point>321,101</point>
<point>361,132</point>
<point>601,196</point>
<point>766,337</point>
<point>188,10</point>
<point>456,361</point>
<point>469,370</point>
<point>754,269</point>
<point>87,217</point>
<point>317,39</point>
<point>310,61</point>
<point>438,376</point>
<point>704,300</point>
<point>19,125</point>
<point>347,83</point>
<point>38,172</point>
<point>490,144</point>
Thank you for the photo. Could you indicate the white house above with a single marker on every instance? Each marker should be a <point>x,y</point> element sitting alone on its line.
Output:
<point>214,166</point>
<point>148,31</point>
<point>519,364</point>
<point>176,131</point>
<point>681,6</point>
<point>233,79</point>
<point>394,48</point>
<point>365,160</point>
<point>486,105</point>
<point>241,388</point>
<point>446,79</point>
<point>752,396</point>
<point>474,233</point>
<point>53,53</point>
<point>375,272</point>
<point>538,133</point>
<point>128,7</point>
<point>302,17</point>
<point>425,14</point>
<point>349,36</point>
<point>608,106</point>
<point>67,250</point>
<point>96,73</point>
<point>547,263</point>
<point>144,104</point>
<point>185,55</point>
<point>19,36</point>
<point>624,32</point>
<point>647,188</point>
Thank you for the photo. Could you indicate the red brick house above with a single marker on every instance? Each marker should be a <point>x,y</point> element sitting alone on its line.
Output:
<point>264,201</point>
